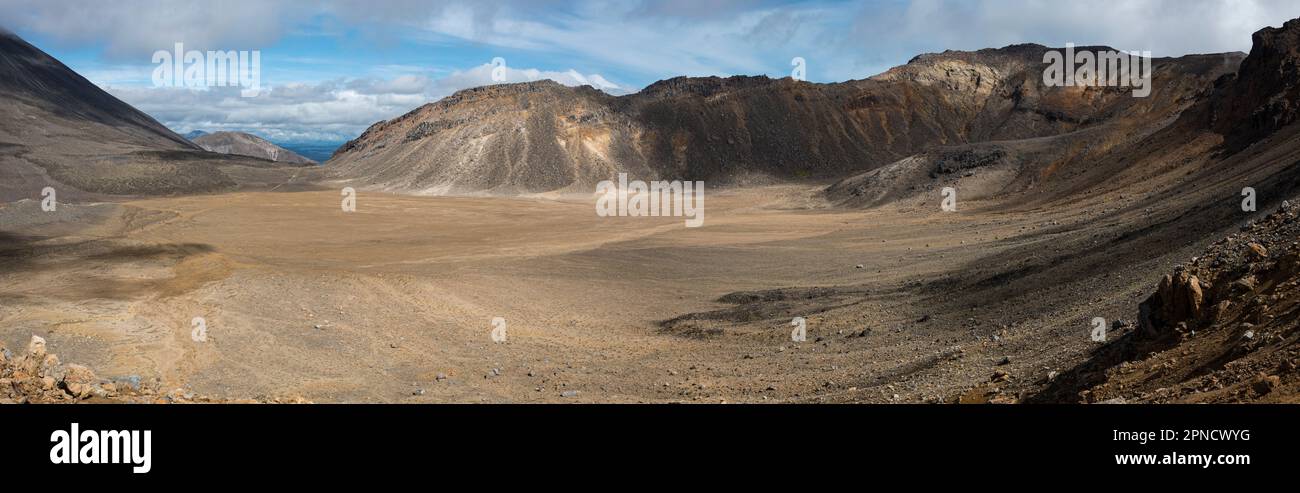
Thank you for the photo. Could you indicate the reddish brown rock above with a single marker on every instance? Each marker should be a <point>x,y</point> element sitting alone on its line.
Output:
<point>1266,383</point>
<point>1258,251</point>
<point>79,381</point>
<point>1179,298</point>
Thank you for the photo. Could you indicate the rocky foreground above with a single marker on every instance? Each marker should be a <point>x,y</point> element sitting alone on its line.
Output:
<point>1222,328</point>
<point>36,376</point>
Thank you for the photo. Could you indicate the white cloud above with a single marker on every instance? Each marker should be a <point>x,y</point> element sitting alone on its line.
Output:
<point>610,34</point>
<point>883,36</point>
<point>333,110</point>
<point>131,29</point>
<point>664,38</point>
<point>482,75</point>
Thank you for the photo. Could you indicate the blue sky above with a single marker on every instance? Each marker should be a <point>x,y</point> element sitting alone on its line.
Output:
<point>333,67</point>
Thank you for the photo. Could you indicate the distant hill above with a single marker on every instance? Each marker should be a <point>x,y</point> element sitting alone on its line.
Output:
<point>59,130</point>
<point>195,134</point>
<point>244,144</point>
<point>319,151</point>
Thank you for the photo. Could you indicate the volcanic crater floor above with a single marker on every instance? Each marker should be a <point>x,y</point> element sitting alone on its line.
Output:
<point>394,302</point>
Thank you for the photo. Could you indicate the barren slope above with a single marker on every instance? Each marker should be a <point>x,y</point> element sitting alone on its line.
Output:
<point>59,130</point>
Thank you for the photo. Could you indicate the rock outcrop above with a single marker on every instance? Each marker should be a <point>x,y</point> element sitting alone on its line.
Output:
<point>38,377</point>
<point>1264,95</point>
<point>1178,299</point>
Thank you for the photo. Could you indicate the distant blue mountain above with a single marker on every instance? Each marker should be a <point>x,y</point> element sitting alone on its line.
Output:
<point>315,151</point>
<point>319,151</point>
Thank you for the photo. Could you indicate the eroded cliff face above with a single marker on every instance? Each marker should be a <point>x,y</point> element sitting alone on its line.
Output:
<point>1264,95</point>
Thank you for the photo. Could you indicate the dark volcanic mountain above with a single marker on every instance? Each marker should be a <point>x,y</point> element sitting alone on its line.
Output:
<point>244,144</point>
<point>542,136</point>
<point>59,129</point>
<point>34,81</point>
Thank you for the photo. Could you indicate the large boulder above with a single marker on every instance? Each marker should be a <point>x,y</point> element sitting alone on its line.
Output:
<point>1179,298</point>
<point>36,348</point>
<point>79,381</point>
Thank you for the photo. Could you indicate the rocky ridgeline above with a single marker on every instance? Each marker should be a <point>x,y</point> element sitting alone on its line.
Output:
<point>540,136</point>
<point>37,376</point>
<point>1264,95</point>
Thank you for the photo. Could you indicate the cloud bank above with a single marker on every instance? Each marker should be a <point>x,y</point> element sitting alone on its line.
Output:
<point>332,110</point>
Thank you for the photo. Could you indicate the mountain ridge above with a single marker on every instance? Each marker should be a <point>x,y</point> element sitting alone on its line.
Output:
<point>541,136</point>
<point>246,144</point>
